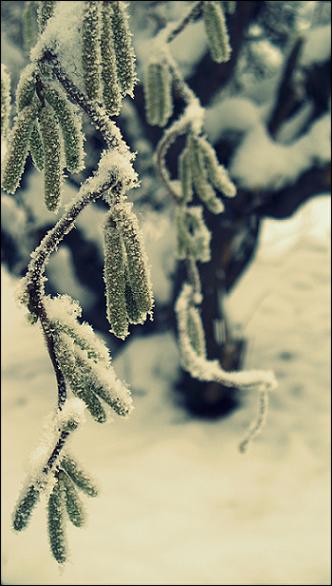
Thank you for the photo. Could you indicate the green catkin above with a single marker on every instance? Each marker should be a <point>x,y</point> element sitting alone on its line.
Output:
<point>137,266</point>
<point>204,190</point>
<point>93,404</point>
<point>216,31</point>
<point>56,523</point>
<point>115,281</point>
<point>37,148</point>
<point>151,94</point>
<point>24,508</point>
<point>91,58</point>
<point>78,476</point>
<point>158,93</point>
<point>123,48</point>
<point>193,237</point>
<point>45,12</point>
<point>185,175</point>
<point>26,87</point>
<point>195,331</point>
<point>70,124</point>
<point>30,25</point>
<point>50,132</point>
<point>5,100</point>
<point>18,148</point>
<point>217,174</point>
<point>80,340</point>
<point>111,89</point>
<point>73,502</point>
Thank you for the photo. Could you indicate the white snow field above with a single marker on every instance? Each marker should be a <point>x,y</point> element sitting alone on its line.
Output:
<point>178,503</point>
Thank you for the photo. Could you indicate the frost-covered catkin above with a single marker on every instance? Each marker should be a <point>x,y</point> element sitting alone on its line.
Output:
<point>78,476</point>
<point>158,93</point>
<point>5,100</point>
<point>26,87</point>
<point>71,126</point>
<point>123,47</point>
<point>217,174</point>
<point>24,507</point>
<point>18,149</point>
<point>74,506</point>
<point>135,315</point>
<point>216,31</point>
<point>37,147</point>
<point>45,12</point>
<point>115,279</point>
<point>201,183</point>
<point>91,58</point>
<point>50,132</point>
<point>185,175</point>
<point>193,237</point>
<point>56,529</point>
<point>30,24</point>
<point>111,88</point>
<point>137,263</point>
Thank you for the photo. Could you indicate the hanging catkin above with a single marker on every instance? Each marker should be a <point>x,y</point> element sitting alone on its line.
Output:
<point>70,123</point>
<point>5,100</point>
<point>111,89</point>
<point>216,31</point>
<point>18,148</point>
<point>45,12</point>
<point>78,476</point>
<point>123,48</point>
<point>24,507</point>
<point>158,93</point>
<point>50,132</point>
<point>202,186</point>
<point>56,530</point>
<point>185,175</point>
<point>74,506</point>
<point>217,174</point>
<point>37,147</point>
<point>91,58</point>
<point>195,331</point>
<point>26,87</point>
<point>115,279</point>
<point>193,237</point>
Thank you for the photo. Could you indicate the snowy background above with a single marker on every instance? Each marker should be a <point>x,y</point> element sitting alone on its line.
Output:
<point>179,504</point>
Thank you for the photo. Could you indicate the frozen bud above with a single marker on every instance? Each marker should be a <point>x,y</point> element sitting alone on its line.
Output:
<point>70,123</point>
<point>217,174</point>
<point>91,57</point>
<point>193,237</point>
<point>73,502</point>
<point>78,476</point>
<point>216,31</point>
<point>37,147</point>
<point>5,100</point>
<point>45,12</point>
<point>158,93</point>
<point>30,25</point>
<point>18,148</point>
<point>111,88</point>
<point>24,507</point>
<point>26,87</point>
<point>123,48</point>
<point>50,132</point>
<point>56,529</point>
<point>115,280</point>
<point>137,263</point>
<point>185,175</point>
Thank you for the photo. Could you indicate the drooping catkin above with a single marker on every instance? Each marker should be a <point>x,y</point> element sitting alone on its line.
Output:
<point>123,47</point>
<point>45,12</point>
<point>78,476</point>
<point>111,89</point>
<point>135,316</point>
<point>158,93</point>
<point>74,506</point>
<point>216,31</point>
<point>195,331</point>
<point>115,279</point>
<point>91,58</point>
<point>137,263</point>
<point>50,132</point>
<point>56,530</point>
<point>217,174</point>
<point>30,24</point>
<point>24,507</point>
<point>18,148</point>
<point>203,188</point>
<point>185,175</point>
<point>5,100</point>
<point>70,123</point>
<point>37,147</point>
<point>193,237</point>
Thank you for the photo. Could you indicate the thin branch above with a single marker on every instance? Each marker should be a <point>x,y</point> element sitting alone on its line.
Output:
<point>193,14</point>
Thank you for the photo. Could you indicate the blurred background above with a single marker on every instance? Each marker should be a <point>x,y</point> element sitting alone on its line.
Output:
<point>179,504</point>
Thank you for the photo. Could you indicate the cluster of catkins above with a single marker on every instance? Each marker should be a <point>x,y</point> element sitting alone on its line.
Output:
<point>47,125</point>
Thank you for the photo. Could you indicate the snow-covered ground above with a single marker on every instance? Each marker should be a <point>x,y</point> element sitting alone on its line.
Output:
<point>178,503</point>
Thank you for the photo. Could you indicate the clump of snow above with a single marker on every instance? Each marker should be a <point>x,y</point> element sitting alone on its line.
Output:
<point>317,47</point>
<point>73,410</point>
<point>115,167</point>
